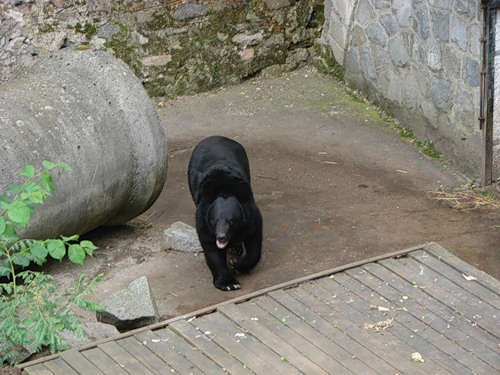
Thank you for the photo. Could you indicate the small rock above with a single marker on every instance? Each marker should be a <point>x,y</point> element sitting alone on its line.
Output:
<point>190,11</point>
<point>51,42</point>
<point>182,237</point>
<point>158,60</point>
<point>130,308</point>
<point>108,30</point>
<point>248,40</point>
<point>277,4</point>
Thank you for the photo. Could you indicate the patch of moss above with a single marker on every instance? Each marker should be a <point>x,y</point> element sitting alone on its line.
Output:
<point>374,110</point>
<point>83,47</point>
<point>326,62</point>
<point>317,19</point>
<point>159,21</point>
<point>427,147</point>
<point>46,28</point>
<point>89,30</point>
<point>194,65</point>
<point>119,43</point>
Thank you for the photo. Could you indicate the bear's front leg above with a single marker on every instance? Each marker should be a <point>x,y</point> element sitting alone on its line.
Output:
<point>217,262</point>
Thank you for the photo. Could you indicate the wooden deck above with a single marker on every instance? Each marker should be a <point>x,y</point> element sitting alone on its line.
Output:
<point>366,318</point>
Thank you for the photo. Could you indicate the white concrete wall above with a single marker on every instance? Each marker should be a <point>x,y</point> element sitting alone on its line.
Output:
<point>496,104</point>
<point>421,61</point>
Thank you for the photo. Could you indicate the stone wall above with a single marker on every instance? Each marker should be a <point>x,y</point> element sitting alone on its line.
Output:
<point>418,59</point>
<point>174,47</point>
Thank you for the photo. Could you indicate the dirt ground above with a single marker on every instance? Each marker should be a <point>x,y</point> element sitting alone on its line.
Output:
<point>334,181</point>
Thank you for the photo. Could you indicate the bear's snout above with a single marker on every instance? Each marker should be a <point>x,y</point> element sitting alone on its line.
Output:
<point>221,236</point>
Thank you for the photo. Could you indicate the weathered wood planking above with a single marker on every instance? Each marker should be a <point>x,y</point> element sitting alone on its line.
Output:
<point>364,319</point>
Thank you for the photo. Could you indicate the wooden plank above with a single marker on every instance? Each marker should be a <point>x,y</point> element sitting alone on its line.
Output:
<point>320,336</point>
<point>323,351</point>
<point>434,329</point>
<point>81,364</point>
<point>59,367</point>
<point>103,362</point>
<point>421,324</point>
<point>443,255</point>
<point>284,349</point>
<point>389,347</point>
<point>202,341</point>
<point>333,326</point>
<point>456,276</point>
<point>191,353</point>
<point>457,299</point>
<point>38,369</point>
<point>438,308</point>
<point>281,328</point>
<point>124,358</point>
<point>142,354</point>
<point>167,352</point>
<point>247,349</point>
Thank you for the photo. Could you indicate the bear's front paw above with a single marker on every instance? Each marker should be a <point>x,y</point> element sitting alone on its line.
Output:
<point>227,283</point>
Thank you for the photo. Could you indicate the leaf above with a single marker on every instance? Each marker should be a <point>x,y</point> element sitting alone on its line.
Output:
<point>14,189</point>
<point>3,226</point>
<point>76,254</point>
<point>37,197</point>
<point>39,252</point>
<point>469,278</point>
<point>56,248</point>
<point>4,270</point>
<point>88,246</point>
<point>417,357</point>
<point>21,259</point>
<point>19,213</point>
<point>48,165</point>
<point>28,171</point>
<point>31,186</point>
<point>28,322</point>
<point>74,237</point>
<point>87,305</point>
<point>4,198</point>
<point>64,166</point>
<point>9,235</point>
<point>47,182</point>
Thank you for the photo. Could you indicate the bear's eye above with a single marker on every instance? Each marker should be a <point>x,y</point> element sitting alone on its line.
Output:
<point>231,222</point>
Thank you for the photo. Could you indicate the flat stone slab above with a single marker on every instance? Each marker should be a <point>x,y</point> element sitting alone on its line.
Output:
<point>182,237</point>
<point>130,308</point>
<point>94,332</point>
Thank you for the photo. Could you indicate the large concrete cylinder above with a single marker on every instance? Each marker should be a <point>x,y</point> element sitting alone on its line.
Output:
<point>87,109</point>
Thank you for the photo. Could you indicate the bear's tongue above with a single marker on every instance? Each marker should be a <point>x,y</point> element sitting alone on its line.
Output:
<point>220,244</point>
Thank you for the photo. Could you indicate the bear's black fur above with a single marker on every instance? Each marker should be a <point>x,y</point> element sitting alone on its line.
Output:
<point>227,218</point>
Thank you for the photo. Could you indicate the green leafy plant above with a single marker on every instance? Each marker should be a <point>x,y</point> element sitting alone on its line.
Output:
<point>33,313</point>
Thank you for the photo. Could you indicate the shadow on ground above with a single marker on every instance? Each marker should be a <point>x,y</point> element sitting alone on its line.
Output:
<point>334,182</point>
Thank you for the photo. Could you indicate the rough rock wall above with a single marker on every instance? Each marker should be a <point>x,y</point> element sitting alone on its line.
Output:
<point>173,46</point>
<point>418,59</point>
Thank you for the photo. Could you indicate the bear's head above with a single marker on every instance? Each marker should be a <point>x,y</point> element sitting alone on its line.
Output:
<point>225,217</point>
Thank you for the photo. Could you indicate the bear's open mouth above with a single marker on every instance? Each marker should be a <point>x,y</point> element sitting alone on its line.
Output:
<point>221,244</point>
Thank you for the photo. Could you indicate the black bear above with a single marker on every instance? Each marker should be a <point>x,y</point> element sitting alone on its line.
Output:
<point>228,221</point>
